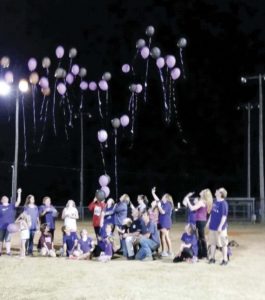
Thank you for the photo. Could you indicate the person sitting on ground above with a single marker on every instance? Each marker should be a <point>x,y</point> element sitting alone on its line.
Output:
<point>85,246</point>
<point>106,243</point>
<point>189,246</point>
<point>45,244</point>
<point>70,240</point>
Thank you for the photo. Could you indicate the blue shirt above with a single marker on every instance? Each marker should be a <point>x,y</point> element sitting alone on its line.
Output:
<point>164,220</point>
<point>219,209</point>
<point>49,216</point>
<point>109,219</point>
<point>191,239</point>
<point>120,211</point>
<point>86,246</point>
<point>33,212</point>
<point>69,240</point>
<point>7,215</point>
<point>152,229</point>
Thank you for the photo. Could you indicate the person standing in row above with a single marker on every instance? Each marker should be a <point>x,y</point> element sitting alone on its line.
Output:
<point>70,215</point>
<point>97,207</point>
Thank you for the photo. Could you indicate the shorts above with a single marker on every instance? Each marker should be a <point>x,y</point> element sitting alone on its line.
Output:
<point>159,227</point>
<point>5,235</point>
<point>218,239</point>
<point>24,234</point>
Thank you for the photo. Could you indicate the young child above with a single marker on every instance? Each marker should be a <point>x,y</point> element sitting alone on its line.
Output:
<point>85,246</point>
<point>70,240</point>
<point>189,246</point>
<point>106,243</point>
<point>97,208</point>
<point>24,222</point>
<point>45,242</point>
<point>70,215</point>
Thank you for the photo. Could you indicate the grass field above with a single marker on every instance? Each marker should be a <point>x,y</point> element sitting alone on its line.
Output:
<point>59,278</point>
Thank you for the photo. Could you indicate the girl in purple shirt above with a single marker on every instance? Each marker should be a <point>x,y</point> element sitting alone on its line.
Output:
<point>165,207</point>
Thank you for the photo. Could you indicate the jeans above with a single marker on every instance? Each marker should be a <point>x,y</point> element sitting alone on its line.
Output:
<point>30,241</point>
<point>146,248</point>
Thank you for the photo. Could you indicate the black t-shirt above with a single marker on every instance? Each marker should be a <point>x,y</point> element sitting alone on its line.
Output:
<point>136,226</point>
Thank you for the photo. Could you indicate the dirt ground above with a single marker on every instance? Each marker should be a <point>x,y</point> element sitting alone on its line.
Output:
<point>59,278</point>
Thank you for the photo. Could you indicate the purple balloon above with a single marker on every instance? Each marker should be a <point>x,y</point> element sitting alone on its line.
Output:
<point>59,52</point>
<point>83,85</point>
<point>61,88</point>
<point>139,88</point>
<point>124,120</point>
<point>102,136</point>
<point>32,64</point>
<point>106,190</point>
<point>170,61</point>
<point>75,69</point>
<point>145,52</point>
<point>125,68</point>
<point>103,85</point>
<point>44,82</point>
<point>9,77</point>
<point>69,78</point>
<point>103,180</point>
<point>175,73</point>
<point>160,62</point>
<point>13,228</point>
<point>92,86</point>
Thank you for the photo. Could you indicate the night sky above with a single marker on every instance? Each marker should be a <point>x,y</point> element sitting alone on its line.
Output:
<point>225,41</point>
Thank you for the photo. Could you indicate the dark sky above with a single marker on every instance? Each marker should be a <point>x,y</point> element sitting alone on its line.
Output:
<point>225,41</point>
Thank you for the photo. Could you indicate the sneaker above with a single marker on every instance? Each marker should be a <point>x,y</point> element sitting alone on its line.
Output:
<point>131,257</point>
<point>164,254</point>
<point>9,254</point>
<point>170,254</point>
<point>212,261</point>
<point>224,263</point>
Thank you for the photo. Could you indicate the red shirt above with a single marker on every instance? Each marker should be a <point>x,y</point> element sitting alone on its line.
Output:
<point>96,208</point>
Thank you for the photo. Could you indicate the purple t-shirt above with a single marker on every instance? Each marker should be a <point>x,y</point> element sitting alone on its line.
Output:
<point>152,229</point>
<point>104,243</point>
<point>191,239</point>
<point>69,240</point>
<point>201,214</point>
<point>85,246</point>
<point>164,220</point>
<point>120,211</point>
<point>219,209</point>
<point>48,217</point>
<point>7,215</point>
<point>34,215</point>
<point>109,219</point>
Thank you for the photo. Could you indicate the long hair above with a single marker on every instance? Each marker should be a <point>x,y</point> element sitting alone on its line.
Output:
<point>207,197</point>
<point>169,199</point>
<point>70,201</point>
<point>27,201</point>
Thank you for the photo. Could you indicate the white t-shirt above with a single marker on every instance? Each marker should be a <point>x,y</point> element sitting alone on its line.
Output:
<point>71,213</point>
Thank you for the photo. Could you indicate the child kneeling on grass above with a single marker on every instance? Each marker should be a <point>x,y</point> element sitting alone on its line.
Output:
<point>106,243</point>
<point>85,246</point>
<point>45,244</point>
<point>189,246</point>
<point>70,240</point>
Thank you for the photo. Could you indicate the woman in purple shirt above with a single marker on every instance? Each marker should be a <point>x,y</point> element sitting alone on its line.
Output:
<point>7,216</point>
<point>31,209</point>
<point>165,207</point>
<point>201,207</point>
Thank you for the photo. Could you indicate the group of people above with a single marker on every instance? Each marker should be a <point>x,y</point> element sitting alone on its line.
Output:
<point>143,230</point>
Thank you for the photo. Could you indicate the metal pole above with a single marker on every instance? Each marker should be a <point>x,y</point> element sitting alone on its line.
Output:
<point>261,162</point>
<point>248,153</point>
<point>82,165</point>
<point>15,165</point>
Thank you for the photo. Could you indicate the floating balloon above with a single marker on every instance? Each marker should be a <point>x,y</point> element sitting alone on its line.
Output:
<point>106,191</point>
<point>83,85</point>
<point>46,91</point>
<point>72,53</point>
<point>102,136</point>
<point>145,52</point>
<point>59,52</point>
<point>5,62</point>
<point>124,120</point>
<point>61,88</point>
<point>75,69</point>
<point>9,77</point>
<point>60,73</point>
<point>100,195</point>
<point>103,181</point>
<point>13,228</point>
<point>69,78</point>
<point>182,43</point>
<point>133,88</point>
<point>34,78</point>
<point>139,88</point>
<point>92,86</point>
<point>115,123</point>
<point>103,85</point>
<point>46,62</point>
<point>82,72</point>
<point>170,61</point>
<point>32,64</point>
<point>108,178</point>
<point>150,30</point>
<point>44,82</point>
<point>140,43</point>
<point>125,68</point>
<point>155,52</point>
<point>106,76</point>
<point>160,62</point>
<point>175,73</point>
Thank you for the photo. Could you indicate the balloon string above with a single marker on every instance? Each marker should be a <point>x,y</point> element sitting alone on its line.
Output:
<point>42,107</point>
<point>164,93</point>
<point>133,114</point>
<point>169,101</point>
<point>70,65</point>
<point>64,115</point>
<point>81,101</point>
<point>99,105</point>
<point>44,123</point>
<point>182,63</point>
<point>24,131</point>
<point>102,157</point>
<point>70,110</point>
<point>33,91</point>
<point>133,61</point>
<point>146,71</point>
<point>53,108</point>
<point>130,102</point>
<point>116,164</point>
<point>107,104</point>
<point>176,115</point>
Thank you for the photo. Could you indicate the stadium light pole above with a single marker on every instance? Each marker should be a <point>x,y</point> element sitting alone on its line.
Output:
<point>260,77</point>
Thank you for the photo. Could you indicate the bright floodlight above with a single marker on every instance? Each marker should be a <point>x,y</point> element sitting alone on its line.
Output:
<point>23,86</point>
<point>243,79</point>
<point>4,88</point>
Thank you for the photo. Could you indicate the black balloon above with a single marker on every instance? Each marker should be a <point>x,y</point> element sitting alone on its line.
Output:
<point>150,30</point>
<point>155,52</point>
<point>106,76</point>
<point>115,123</point>
<point>133,87</point>
<point>140,43</point>
<point>182,43</point>
<point>100,195</point>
